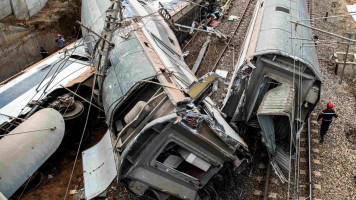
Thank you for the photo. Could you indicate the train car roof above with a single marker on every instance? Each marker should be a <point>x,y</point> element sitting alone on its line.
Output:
<point>130,62</point>
<point>276,31</point>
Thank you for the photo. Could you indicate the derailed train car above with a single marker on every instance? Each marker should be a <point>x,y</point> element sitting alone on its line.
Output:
<point>38,114</point>
<point>165,137</point>
<point>277,80</point>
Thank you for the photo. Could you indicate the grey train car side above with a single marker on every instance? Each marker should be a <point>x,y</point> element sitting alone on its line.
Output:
<point>277,80</point>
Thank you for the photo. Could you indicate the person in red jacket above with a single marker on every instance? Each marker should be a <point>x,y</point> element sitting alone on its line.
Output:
<point>327,116</point>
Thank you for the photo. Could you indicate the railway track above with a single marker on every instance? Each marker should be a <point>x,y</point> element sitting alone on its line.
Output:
<point>232,35</point>
<point>305,173</point>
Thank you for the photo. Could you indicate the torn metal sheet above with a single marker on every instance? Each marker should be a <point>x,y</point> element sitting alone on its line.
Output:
<point>222,73</point>
<point>277,102</point>
<point>22,154</point>
<point>99,167</point>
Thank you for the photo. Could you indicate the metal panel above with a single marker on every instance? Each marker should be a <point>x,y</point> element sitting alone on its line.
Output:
<point>275,33</point>
<point>22,154</point>
<point>277,101</point>
<point>268,131</point>
<point>98,167</point>
<point>130,65</point>
<point>5,9</point>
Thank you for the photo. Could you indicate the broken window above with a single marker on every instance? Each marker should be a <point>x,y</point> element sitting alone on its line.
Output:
<point>178,158</point>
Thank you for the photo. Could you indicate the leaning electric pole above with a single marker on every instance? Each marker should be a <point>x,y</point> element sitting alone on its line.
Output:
<point>112,23</point>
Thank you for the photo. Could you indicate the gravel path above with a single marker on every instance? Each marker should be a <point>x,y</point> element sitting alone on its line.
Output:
<point>338,152</point>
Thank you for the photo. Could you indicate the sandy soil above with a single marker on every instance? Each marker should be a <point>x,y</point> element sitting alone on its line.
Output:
<point>57,16</point>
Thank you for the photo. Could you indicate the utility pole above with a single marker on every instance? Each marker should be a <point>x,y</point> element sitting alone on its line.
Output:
<point>343,69</point>
<point>112,23</point>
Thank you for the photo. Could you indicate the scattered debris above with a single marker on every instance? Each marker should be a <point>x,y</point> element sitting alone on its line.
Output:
<point>201,55</point>
<point>72,192</point>
<point>222,73</point>
<point>232,18</point>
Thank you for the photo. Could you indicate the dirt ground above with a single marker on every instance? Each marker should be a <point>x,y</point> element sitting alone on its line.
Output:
<point>57,171</point>
<point>57,16</point>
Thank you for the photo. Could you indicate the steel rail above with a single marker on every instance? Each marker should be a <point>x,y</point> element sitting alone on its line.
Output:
<point>268,175</point>
<point>232,36</point>
<point>309,162</point>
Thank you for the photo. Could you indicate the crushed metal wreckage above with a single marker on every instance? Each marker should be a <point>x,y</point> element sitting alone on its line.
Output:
<point>166,137</point>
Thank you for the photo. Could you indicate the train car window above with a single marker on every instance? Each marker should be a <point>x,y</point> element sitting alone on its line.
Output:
<point>286,10</point>
<point>182,160</point>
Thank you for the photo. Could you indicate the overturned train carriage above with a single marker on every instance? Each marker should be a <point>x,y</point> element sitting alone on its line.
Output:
<point>165,137</point>
<point>277,80</point>
<point>38,116</point>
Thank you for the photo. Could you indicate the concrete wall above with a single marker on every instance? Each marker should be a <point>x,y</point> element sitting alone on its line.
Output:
<point>19,48</point>
<point>19,9</point>
<point>22,9</point>
<point>34,6</point>
<point>5,8</point>
<point>11,32</point>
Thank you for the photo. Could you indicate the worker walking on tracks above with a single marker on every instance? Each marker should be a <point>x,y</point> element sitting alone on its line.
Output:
<point>327,116</point>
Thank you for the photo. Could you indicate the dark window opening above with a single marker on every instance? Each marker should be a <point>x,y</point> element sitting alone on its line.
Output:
<point>77,57</point>
<point>286,10</point>
<point>182,160</point>
<point>171,40</point>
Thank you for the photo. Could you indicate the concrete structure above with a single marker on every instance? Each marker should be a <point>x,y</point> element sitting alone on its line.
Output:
<point>350,68</point>
<point>19,47</point>
<point>22,9</point>
<point>5,8</point>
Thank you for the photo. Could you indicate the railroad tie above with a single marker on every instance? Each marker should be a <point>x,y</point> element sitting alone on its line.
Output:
<point>314,115</point>
<point>257,193</point>
<point>272,195</point>
<point>316,150</point>
<point>317,186</point>
<point>314,131</point>
<point>314,122</point>
<point>317,173</point>
<point>316,162</point>
<point>316,141</point>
